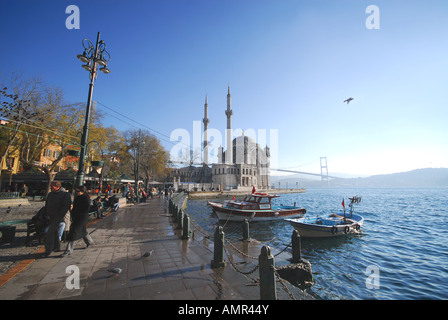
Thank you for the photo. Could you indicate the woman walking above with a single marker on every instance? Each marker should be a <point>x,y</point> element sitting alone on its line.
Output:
<point>80,216</point>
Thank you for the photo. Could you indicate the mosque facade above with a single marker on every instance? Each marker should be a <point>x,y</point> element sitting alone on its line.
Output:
<point>244,165</point>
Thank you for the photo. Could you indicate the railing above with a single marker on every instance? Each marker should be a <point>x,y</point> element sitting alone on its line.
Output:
<point>10,195</point>
<point>264,263</point>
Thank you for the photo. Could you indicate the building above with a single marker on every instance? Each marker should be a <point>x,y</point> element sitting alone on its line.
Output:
<point>242,166</point>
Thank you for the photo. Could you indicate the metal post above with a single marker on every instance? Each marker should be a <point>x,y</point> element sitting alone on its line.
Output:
<point>218,250</point>
<point>85,132</point>
<point>180,219</point>
<point>137,174</point>
<point>268,290</point>
<point>186,227</point>
<point>296,247</point>
<point>170,206</point>
<point>246,236</point>
<point>175,212</point>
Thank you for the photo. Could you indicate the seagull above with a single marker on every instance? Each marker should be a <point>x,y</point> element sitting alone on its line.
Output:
<point>147,254</point>
<point>348,100</point>
<point>116,271</point>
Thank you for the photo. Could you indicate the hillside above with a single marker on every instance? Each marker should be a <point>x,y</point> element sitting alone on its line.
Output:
<point>429,177</point>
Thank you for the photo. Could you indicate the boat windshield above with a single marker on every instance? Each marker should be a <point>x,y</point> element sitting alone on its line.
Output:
<point>264,200</point>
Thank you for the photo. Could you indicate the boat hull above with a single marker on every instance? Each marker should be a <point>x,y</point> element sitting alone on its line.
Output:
<point>281,213</point>
<point>309,228</point>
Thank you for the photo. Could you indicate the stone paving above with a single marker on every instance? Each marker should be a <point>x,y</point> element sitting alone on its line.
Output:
<point>177,269</point>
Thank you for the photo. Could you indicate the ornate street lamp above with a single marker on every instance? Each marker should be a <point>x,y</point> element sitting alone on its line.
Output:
<point>92,57</point>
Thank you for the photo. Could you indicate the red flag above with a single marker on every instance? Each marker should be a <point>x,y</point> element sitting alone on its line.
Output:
<point>343,203</point>
<point>253,189</point>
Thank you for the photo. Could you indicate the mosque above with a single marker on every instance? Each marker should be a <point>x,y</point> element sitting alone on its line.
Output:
<point>244,165</point>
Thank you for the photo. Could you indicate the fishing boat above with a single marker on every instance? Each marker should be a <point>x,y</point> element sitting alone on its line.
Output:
<point>332,225</point>
<point>255,207</point>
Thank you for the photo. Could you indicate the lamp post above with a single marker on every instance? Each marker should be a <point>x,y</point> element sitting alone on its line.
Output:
<point>92,57</point>
<point>96,163</point>
<point>137,174</point>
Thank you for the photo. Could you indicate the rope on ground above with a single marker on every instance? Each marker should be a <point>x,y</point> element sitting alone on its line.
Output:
<point>235,267</point>
<point>255,268</point>
<point>284,286</point>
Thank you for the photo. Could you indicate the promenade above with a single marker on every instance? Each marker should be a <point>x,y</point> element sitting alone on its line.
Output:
<point>177,269</point>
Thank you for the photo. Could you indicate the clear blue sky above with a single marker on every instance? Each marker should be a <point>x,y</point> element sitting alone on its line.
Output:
<point>290,65</point>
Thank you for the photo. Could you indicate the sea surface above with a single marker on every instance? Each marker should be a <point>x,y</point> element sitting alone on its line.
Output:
<point>401,253</point>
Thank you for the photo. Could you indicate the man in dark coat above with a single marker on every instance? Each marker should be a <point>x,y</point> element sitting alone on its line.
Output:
<point>57,205</point>
<point>80,216</point>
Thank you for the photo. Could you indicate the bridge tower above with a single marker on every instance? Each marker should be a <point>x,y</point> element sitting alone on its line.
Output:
<point>323,167</point>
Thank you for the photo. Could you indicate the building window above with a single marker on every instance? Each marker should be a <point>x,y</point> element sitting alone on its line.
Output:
<point>10,162</point>
<point>47,153</point>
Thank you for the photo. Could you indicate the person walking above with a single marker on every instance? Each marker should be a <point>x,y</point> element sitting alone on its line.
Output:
<point>57,204</point>
<point>98,207</point>
<point>80,216</point>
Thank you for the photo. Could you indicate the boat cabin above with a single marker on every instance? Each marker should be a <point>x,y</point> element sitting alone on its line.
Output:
<point>255,201</point>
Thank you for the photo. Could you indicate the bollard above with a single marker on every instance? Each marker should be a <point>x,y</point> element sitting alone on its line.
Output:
<point>218,250</point>
<point>296,247</point>
<point>246,230</point>
<point>268,290</point>
<point>175,210</point>
<point>180,219</point>
<point>186,227</point>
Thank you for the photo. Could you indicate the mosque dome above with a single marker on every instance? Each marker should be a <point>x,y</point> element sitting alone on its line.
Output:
<point>243,140</point>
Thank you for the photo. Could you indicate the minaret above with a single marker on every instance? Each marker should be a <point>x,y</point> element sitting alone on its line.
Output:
<point>229,112</point>
<point>206,121</point>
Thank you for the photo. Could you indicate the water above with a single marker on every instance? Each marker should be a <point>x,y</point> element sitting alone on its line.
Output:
<point>402,252</point>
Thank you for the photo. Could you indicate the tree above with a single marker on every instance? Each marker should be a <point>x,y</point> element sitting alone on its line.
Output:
<point>17,108</point>
<point>112,147</point>
<point>153,156</point>
<point>55,131</point>
<point>40,119</point>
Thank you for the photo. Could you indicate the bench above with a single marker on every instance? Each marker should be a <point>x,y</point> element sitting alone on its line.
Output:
<point>37,227</point>
<point>33,232</point>
<point>8,233</point>
<point>92,209</point>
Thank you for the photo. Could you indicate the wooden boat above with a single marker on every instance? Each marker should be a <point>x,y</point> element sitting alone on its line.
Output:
<point>255,207</point>
<point>332,225</point>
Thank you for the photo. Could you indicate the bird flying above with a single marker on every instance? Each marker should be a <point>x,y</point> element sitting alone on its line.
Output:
<point>348,100</point>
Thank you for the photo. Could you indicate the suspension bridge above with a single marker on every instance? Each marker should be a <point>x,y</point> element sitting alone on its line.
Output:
<point>323,169</point>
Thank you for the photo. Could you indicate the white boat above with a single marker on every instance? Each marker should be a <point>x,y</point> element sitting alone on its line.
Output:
<point>255,207</point>
<point>332,225</point>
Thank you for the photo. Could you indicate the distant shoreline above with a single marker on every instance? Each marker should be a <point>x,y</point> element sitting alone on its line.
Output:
<point>232,193</point>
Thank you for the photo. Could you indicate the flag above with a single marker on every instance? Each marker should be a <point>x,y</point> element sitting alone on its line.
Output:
<point>343,203</point>
<point>253,189</point>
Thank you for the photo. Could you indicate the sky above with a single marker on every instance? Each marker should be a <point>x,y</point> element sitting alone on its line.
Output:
<point>289,64</point>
